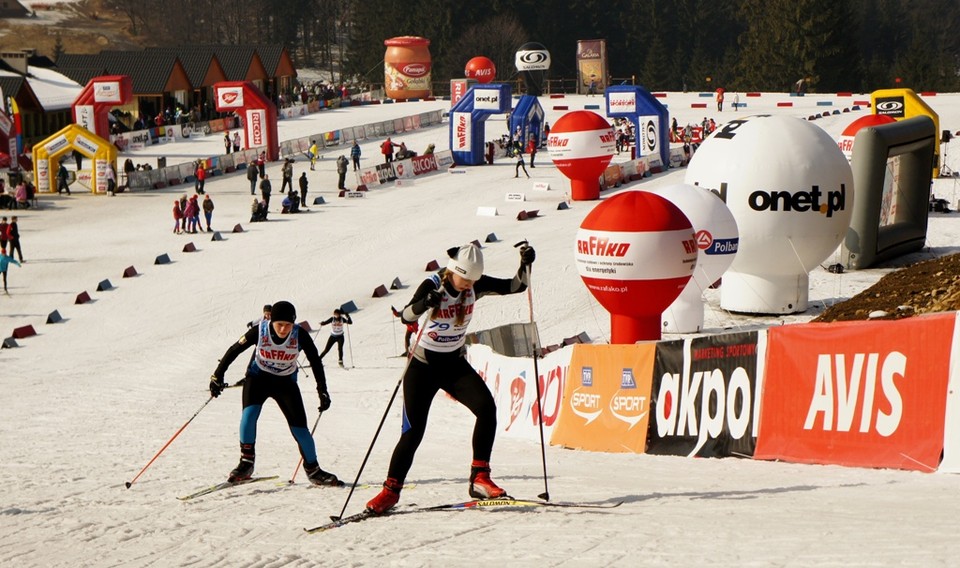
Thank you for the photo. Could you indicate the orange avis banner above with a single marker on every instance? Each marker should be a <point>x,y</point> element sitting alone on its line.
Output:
<point>606,398</point>
<point>868,394</point>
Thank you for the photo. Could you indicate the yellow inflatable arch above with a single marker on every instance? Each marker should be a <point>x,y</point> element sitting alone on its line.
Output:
<point>47,155</point>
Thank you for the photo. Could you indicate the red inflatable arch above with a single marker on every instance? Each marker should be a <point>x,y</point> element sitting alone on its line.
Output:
<point>93,104</point>
<point>259,114</point>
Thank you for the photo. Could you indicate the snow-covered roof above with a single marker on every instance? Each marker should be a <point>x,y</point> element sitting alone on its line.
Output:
<point>54,90</point>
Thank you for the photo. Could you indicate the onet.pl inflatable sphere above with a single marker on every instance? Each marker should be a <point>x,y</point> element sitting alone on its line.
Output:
<point>635,252</point>
<point>581,145</point>
<point>790,189</point>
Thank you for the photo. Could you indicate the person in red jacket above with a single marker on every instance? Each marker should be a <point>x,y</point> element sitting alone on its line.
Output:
<point>201,177</point>
<point>387,150</point>
<point>177,216</point>
<point>532,150</point>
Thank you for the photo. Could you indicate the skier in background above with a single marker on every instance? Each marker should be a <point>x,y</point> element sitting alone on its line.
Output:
<point>336,321</point>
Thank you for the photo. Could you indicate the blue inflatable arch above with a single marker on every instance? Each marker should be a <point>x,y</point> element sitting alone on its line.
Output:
<point>651,120</point>
<point>468,117</point>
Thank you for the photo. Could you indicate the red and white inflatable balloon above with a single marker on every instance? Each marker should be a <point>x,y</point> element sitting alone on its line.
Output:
<point>581,144</point>
<point>480,68</point>
<point>635,252</point>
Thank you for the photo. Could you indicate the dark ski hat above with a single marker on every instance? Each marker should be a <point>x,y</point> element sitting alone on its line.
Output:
<point>283,311</point>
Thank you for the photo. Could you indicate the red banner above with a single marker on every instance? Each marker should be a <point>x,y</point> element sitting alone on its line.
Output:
<point>868,394</point>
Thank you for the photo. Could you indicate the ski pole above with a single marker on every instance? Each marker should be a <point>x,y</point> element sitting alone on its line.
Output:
<point>536,378</point>
<point>383,419</point>
<point>131,482</point>
<point>312,430</point>
<point>349,345</point>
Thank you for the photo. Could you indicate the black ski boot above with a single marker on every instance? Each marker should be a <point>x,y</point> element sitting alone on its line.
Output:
<point>319,477</point>
<point>244,470</point>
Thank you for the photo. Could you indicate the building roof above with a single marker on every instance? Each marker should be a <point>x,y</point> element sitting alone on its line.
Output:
<point>150,72</point>
<point>200,64</point>
<point>54,91</point>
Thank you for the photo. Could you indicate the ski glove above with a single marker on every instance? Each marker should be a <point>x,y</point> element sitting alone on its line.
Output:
<point>527,255</point>
<point>324,401</point>
<point>216,385</point>
<point>432,299</point>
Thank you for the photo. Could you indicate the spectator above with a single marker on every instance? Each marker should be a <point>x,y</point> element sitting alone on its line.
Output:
<point>430,148</point>
<point>177,216</point>
<point>23,201</point>
<point>4,234</point>
<point>227,146</point>
<point>127,168</point>
<point>62,176</point>
<point>491,148</point>
<point>208,211</point>
<point>183,213</point>
<point>354,155</point>
<point>291,203</point>
<point>192,214</point>
<point>201,173</point>
<point>265,188</point>
<point>236,141</point>
<point>341,171</point>
<point>312,154</point>
<point>532,150</point>
<point>387,150</point>
<point>4,263</point>
<point>252,174</point>
<point>287,172</point>
<point>111,179</point>
<point>303,189</point>
<point>13,234</point>
<point>262,164</point>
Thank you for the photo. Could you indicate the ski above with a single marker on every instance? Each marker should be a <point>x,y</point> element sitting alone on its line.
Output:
<point>224,485</point>
<point>508,502</point>
<point>362,516</point>
<point>492,504</point>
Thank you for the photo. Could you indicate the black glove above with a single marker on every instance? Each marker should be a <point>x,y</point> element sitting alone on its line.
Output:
<point>324,400</point>
<point>432,299</point>
<point>216,385</point>
<point>527,255</point>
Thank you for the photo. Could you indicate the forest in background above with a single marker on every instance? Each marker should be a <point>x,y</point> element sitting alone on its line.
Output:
<point>746,45</point>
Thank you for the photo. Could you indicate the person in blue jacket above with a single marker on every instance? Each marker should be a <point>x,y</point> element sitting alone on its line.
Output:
<point>4,263</point>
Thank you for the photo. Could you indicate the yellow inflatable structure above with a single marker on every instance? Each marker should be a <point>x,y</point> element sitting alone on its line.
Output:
<point>48,153</point>
<point>901,104</point>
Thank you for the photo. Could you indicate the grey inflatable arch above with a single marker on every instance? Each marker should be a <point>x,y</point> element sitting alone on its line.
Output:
<point>909,146</point>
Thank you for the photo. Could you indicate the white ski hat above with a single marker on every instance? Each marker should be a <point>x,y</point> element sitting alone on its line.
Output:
<point>466,261</point>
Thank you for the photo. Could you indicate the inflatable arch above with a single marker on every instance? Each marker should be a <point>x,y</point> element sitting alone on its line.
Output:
<point>651,121</point>
<point>527,119</point>
<point>901,104</point>
<point>467,119</point>
<point>47,153</point>
<point>258,112</point>
<point>891,173</point>
<point>92,107</point>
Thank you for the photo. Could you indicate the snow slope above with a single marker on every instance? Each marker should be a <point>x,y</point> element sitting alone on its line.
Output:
<point>89,401</point>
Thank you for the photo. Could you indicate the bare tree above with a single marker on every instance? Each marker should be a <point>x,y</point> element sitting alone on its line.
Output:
<point>497,38</point>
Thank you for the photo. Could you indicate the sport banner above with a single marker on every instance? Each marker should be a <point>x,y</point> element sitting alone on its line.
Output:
<point>706,395</point>
<point>510,379</point>
<point>606,399</point>
<point>866,394</point>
